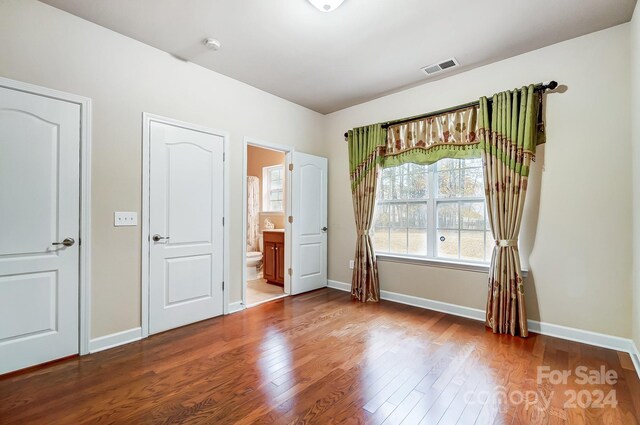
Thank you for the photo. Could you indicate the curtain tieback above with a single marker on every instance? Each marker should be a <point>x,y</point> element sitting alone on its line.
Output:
<point>363,233</point>
<point>506,242</point>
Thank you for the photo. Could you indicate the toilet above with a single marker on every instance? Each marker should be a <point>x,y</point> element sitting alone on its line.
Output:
<point>254,261</point>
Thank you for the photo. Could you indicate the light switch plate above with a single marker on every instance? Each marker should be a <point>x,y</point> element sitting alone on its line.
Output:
<point>125,218</point>
<point>351,264</point>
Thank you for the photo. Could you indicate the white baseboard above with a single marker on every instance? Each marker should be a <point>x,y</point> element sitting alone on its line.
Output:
<point>635,357</point>
<point>235,307</point>
<point>549,329</point>
<point>114,340</point>
<point>580,335</point>
<point>339,285</point>
<point>456,310</point>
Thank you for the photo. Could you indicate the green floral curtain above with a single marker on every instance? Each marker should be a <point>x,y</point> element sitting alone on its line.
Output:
<point>504,133</point>
<point>366,145</point>
<point>425,141</point>
<point>509,131</point>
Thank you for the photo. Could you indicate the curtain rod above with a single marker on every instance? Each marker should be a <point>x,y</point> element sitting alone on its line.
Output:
<point>542,87</point>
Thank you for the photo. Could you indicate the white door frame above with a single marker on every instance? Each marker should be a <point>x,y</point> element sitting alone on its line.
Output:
<point>147,118</point>
<point>84,272</point>
<point>288,151</point>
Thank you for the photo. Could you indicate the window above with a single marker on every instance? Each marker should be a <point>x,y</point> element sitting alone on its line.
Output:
<point>436,211</point>
<point>273,188</point>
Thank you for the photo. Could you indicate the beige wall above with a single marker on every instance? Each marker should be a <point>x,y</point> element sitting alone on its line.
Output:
<point>124,78</point>
<point>576,238</point>
<point>635,113</point>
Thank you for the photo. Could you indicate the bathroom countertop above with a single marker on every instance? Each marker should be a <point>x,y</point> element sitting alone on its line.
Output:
<point>273,230</point>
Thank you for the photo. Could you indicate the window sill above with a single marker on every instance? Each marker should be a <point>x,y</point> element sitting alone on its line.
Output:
<point>430,262</point>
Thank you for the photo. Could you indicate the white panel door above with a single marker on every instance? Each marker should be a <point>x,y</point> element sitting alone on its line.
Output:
<point>39,206</point>
<point>185,222</point>
<point>309,228</point>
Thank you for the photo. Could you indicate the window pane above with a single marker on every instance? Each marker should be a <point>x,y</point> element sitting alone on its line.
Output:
<point>399,186</point>
<point>381,239</point>
<point>472,162</point>
<point>382,215</point>
<point>398,241</point>
<point>276,195</point>
<point>447,215</point>
<point>398,215</point>
<point>276,205</point>
<point>417,241</point>
<point>472,215</point>
<point>448,164</point>
<point>472,182</point>
<point>447,243</point>
<point>276,184</point>
<point>403,227</point>
<point>417,215</point>
<point>275,173</point>
<point>449,184</point>
<point>472,245</point>
<point>417,185</point>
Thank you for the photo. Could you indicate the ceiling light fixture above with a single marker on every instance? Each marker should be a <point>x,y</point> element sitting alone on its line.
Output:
<point>212,43</point>
<point>326,5</point>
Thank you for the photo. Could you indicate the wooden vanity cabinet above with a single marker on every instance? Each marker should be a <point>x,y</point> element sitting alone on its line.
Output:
<point>273,257</point>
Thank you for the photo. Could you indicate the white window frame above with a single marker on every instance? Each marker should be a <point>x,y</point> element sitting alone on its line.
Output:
<point>432,230</point>
<point>266,188</point>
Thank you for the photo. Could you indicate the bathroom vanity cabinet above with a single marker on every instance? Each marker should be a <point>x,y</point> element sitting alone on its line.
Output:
<point>273,261</point>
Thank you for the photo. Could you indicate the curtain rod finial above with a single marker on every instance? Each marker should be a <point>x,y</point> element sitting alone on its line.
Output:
<point>346,136</point>
<point>552,85</point>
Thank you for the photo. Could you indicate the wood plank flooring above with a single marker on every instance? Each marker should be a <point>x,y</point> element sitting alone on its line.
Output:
<point>320,358</point>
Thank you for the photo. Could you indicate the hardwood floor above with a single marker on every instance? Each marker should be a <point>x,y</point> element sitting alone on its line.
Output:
<point>320,358</point>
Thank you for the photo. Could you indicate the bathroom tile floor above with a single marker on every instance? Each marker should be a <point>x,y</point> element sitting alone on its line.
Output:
<point>259,291</point>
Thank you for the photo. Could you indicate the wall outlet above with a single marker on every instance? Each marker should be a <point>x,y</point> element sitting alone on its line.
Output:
<point>351,264</point>
<point>127,218</point>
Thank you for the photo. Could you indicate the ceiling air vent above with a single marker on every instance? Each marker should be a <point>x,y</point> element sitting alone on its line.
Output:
<point>439,67</point>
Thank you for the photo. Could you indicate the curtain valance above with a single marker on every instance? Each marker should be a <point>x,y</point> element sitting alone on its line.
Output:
<point>425,141</point>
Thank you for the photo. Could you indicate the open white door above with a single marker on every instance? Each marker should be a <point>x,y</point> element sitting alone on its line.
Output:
<point>186,184</point>
<point>309,228</point>
<point>39,228</point>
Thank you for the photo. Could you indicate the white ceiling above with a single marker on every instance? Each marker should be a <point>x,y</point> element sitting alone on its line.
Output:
<point>364,49</point>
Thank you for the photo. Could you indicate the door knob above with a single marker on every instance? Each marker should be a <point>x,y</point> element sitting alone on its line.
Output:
<point>158,238</point>
<point>66,242</point>
<point>324,229</point>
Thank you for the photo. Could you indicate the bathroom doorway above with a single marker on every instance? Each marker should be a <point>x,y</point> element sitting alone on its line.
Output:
<point>267,242</point>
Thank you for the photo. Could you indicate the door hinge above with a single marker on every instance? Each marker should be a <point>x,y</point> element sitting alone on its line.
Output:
<point>291,167</point>
<point>223,221</point>
<point>79,241</point>
<point>290,271</point>
<point>224,156</point>
<point>290,219</point>
<point>223,285</point>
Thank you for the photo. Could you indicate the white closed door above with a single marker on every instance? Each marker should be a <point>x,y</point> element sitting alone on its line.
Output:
<point>39,207</point>
<point>185,224</point>
<point>309,228</point>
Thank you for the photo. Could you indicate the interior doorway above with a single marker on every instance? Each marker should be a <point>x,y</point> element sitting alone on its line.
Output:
<point>266,235</point>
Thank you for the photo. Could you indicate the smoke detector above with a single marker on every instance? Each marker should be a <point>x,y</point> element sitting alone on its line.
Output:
<point>439,67</point>
<point>212,43</point>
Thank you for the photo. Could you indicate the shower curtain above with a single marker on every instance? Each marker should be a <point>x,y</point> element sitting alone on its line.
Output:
<point>253,213</point>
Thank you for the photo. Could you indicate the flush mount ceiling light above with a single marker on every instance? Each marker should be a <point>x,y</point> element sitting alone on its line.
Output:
<point>326,5</point>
